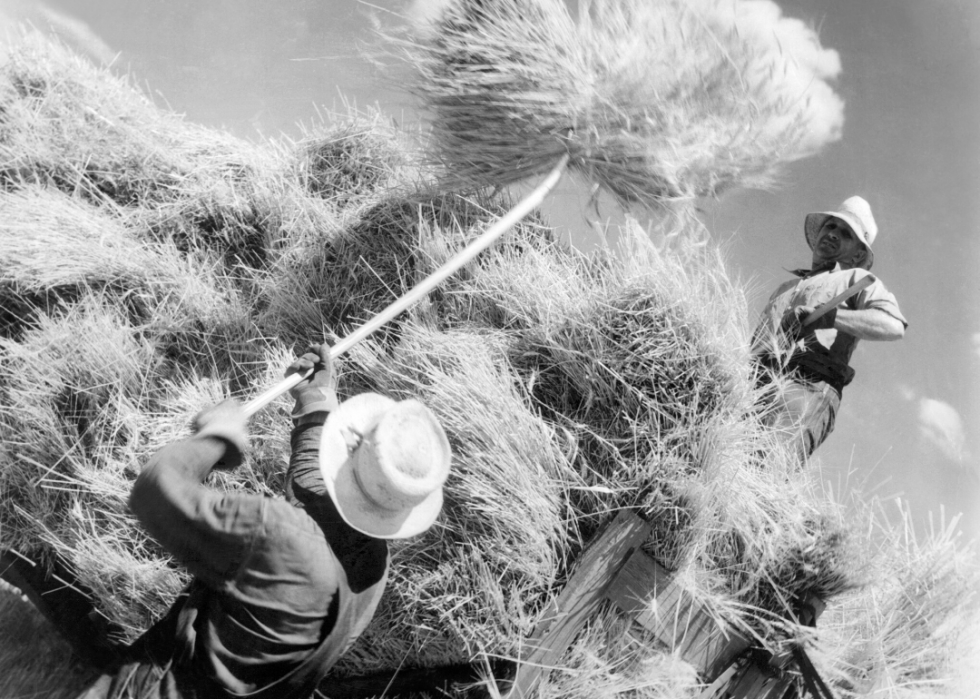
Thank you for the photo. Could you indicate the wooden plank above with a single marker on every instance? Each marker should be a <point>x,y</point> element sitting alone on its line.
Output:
<point>748,684</point>
<point>584,591</point>
<point>753,683</point>
<point>646,590</point>
<point>719,685</point>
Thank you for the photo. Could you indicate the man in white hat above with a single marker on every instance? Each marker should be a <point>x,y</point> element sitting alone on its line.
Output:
<point>282,587</point>
<point>815,358</point>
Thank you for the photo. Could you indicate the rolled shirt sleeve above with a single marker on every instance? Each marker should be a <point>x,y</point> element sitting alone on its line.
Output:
<point>820,353</point>
<point>209,532</point>
<point>304,482</point>
<point>813,291</point>
<point>876,296</point>
<point>269,588</point>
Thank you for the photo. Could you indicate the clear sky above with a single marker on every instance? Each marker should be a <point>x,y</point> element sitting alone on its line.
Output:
<point>910,423</point>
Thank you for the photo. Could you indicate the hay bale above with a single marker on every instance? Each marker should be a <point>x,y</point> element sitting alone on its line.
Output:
<point>911,632</point>
<point>72,125</point>
<point>231,205</point>
<point>350,156</point>
<point>59,251</point>
<point>76,127</point>
<point>52,241</point>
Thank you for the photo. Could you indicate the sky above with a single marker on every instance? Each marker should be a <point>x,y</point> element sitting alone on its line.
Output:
<point>909,81</point>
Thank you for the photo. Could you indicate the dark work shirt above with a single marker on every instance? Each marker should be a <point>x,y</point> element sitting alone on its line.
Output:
<point>282,587</point>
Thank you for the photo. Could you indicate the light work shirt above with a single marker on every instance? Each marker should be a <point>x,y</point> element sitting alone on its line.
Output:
<point>828,344</point>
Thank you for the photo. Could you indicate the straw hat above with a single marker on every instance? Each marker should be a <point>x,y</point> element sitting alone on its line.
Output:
<point>856,213</point>
<point>384,463</point>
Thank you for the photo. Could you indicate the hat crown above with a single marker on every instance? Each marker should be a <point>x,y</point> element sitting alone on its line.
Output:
<point>403,459</point>
<point>857,210</point>
<point>384,463</point>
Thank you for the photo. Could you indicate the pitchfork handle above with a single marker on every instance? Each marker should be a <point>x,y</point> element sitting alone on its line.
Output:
<point>501,226</point>
<point>825,308</point>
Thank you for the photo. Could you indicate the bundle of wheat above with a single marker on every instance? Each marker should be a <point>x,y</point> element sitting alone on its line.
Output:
<point>72,126</point>
<point>72,243</point>
<point>347,157</point>
<point>655,102</point>
<point>909,634</point>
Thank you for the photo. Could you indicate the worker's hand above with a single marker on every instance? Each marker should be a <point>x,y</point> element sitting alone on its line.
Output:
<point>826,321</point>
<point>792,324</point>
<point>315,393</point>
<point>229,423</point>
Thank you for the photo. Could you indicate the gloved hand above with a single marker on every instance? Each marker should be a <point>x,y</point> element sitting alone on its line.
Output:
<point>316,392</point>
<point>225,421</point>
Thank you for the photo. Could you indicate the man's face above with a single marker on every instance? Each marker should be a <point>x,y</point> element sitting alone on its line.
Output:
<point>836,242</point>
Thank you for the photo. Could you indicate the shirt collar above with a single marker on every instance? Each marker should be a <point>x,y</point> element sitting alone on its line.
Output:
<point>807,273</point>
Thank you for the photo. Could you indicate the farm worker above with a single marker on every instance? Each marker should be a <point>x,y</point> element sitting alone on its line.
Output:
<point>282,587</point>
<point>815,358</point>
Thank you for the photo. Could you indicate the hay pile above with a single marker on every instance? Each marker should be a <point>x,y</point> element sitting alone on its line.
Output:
<point>181,270</point>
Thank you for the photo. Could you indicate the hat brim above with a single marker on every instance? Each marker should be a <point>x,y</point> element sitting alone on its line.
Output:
<point>360,414</point>
<point>814,222</point>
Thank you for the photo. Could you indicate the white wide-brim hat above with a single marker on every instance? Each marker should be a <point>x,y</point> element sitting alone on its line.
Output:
<point>856,213</point>
<point>384,463</point>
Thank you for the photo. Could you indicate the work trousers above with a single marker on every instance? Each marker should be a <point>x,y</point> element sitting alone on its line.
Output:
<point>803,414</point>
<point>145,669</point>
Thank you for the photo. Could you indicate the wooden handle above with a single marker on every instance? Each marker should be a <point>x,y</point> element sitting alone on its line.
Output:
<point>825,308</point>
<point>501,226</point>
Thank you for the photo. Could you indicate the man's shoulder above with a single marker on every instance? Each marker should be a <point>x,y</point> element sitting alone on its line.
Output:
<point>856,274</point>
<point>839,277</point>
<point>291,528</point>
<point>875,289</point>
<point>282,514</point>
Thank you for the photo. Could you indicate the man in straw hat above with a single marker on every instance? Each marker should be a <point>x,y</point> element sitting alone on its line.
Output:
<point>281,587</point>
<point>815,357</point>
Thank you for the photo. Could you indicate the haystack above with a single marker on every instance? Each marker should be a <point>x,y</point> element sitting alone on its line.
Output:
<point>572,386</point>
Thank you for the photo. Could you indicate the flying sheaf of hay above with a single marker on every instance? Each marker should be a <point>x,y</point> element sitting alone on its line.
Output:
<point>654,101</point>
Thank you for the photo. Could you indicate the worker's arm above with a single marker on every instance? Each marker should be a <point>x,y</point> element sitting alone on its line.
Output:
<point>873,314</point>
<point>869,324</point>
<point>315,397</point>
<point>209,532</point>
<point>304,482</point>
